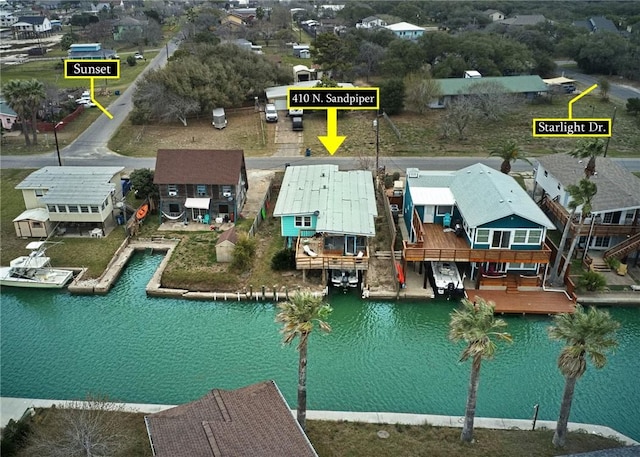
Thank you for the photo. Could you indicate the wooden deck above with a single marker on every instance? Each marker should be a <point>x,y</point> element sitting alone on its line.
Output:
<point>440,245</point>
<point>328,259</point>
<point>535,302</point>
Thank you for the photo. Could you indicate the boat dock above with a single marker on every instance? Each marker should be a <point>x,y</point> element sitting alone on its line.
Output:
<point>529,302</point>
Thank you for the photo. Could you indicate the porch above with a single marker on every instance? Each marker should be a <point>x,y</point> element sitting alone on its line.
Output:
<point>312,254</point>
<point>436,243</point>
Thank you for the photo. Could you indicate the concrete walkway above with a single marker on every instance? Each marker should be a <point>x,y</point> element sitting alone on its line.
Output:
<point>15,408</point>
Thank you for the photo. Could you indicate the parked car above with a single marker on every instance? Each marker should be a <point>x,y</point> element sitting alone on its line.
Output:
<point>138,56</point>
<point>271,113</point>
<point>296,123</point>
<point>295,113</point>
<point>219,118</point>
<point>84,98</point>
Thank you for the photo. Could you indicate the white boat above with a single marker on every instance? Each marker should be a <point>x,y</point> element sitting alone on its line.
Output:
<point>446,277</point>
<point>344,278</point>
<point>34,270</point>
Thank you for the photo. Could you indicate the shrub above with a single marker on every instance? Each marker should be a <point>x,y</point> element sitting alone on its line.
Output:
<point>591,281</point>
<point>131,61</point>
<point>14,436</point>
<point>613,263</point>
<point>633,106</point>
<point>284,259</point>
<point>243,253</point>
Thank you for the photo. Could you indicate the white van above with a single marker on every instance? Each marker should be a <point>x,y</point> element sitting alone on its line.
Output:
<point>219,118</point>
<point>271,113</point>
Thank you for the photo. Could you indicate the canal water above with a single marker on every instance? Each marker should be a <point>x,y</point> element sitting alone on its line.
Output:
<point>380,356</point>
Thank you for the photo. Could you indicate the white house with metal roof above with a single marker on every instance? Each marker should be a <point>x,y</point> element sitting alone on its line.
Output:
<point>477,215</point>
<point>328,215</point>
<point>406,31</point>
<point>77,199</point>
<point>615,225</point>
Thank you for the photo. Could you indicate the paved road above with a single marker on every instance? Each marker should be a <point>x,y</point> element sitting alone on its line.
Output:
<point>619,91</point>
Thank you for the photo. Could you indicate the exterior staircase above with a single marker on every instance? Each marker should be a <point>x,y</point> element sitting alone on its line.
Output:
<point>512,284</point>
<point>622,249</point>
<point>599,265</point>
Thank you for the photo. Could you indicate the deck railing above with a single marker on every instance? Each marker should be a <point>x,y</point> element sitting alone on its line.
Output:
<point>414,253</point>
<point>329,260</point>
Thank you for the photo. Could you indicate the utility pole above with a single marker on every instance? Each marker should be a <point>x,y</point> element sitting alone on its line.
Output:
<point>55,135</point>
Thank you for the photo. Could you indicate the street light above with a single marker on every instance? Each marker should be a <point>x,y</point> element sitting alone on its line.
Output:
<point>55,135</point>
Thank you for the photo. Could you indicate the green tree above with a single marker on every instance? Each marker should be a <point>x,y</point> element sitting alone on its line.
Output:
<point>25,97</point>
<point>590,149</point>
<point>83,20</point>
<point>392,96</point>
<point>298,317</point>
<point>633,106</point>
<point>243,253</point>
<point>142,184</point>
<point>509,152</point>
<point>334,54</point>
<point>587,335</point>
<point>476,325</point>
<point>581,196</point>
<point>67,40</point>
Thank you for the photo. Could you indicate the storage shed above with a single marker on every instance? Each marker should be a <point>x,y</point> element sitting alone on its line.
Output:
<point>33,223</point>
<point>225,245</point>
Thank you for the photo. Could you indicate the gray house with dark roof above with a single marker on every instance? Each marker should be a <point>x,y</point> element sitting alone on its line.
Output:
<point>247,422</point>
<point>201,184</point>
<point>614,226</point>
<point>597,24</point>
<point>31,26</point>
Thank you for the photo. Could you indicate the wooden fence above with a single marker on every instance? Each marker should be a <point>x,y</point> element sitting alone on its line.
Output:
<point>263,212</point>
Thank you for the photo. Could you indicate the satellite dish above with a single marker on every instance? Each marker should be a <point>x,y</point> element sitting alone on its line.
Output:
<point>316,213</point>
<point>230,198</point>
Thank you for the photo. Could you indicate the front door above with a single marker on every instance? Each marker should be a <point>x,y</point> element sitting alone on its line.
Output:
<point>429,212</point>
<point>500,239</point>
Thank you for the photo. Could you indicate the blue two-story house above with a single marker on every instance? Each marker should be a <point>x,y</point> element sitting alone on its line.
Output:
<point>477,216</point>
<point>328,216</point>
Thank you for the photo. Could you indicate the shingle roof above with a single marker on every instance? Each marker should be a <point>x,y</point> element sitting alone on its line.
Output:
<point>524,19</point>
<point>247,422</point>
<point>199,166</point>
<point>617,187</point>
<point>33,20</point>
<point>77,185</point>
<point>512,84</point>
<point>345,200</point>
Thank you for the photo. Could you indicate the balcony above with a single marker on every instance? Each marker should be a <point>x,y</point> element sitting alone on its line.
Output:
<point>599,229</point>
<point>437,244</point>
<point>328,259</point>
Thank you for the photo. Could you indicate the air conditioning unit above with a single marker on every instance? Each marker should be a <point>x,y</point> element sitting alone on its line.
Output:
<point>172,193</point>
<point>226,194</point>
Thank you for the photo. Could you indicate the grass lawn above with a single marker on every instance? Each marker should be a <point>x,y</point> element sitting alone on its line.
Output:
<point>347,439</point>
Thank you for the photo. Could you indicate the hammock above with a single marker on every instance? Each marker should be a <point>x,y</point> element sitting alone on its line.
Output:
<point>173,218</point>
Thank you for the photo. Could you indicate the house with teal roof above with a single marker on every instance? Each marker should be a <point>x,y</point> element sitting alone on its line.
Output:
<point>327,216</point>
<point>476,216</point>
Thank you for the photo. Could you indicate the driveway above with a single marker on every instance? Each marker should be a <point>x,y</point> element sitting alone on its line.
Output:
<point>619,91</point>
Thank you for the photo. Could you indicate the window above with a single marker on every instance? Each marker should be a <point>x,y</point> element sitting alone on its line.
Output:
<point>95,209</point>
<point>608,217</point>
<point>174,208</point>
<point>302,221</point>
<point>442,210</point>
<point>546,173</point>
<point>62,209</point>
<point>84,209</point>
<point>73,208</point>
<point>52,208</point>
<point>535,236</point>
<point>39,192</point>
<point>201,190</point>
<point>482,236</point>
<point>601,242</point>
<point>172,190</point>
<point>36,225</point>
<point>520,236</point>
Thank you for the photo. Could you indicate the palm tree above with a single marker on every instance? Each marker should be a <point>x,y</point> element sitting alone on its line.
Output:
<point>508,152</point>
<point>580,195</point>
<point>586,334</point>
<point>14,93</point>
<point>585,190</point>
<point>35,94</point>
<point>589,149</point>
<point>476,325</point>
<point>25,98</point>
<point>298,316</point>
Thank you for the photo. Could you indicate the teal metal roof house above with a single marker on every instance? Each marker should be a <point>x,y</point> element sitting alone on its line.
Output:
<point>488,220</point>
<point>328,215</point>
